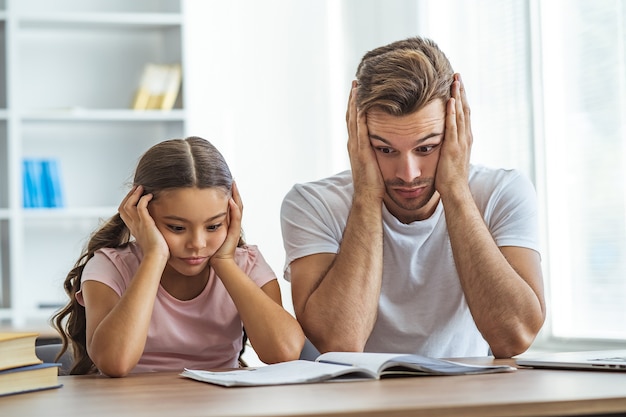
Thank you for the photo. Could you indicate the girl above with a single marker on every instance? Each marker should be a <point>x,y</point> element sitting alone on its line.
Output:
<point>168,282</point>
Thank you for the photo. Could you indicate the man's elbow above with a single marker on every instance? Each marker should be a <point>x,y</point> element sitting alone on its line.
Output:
<point>516,341</point>
<point>337,344</point>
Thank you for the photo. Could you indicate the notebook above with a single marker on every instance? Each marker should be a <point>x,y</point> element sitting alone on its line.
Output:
<point>599,360</point>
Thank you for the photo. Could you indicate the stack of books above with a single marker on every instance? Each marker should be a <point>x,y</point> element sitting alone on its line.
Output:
<point>20,368</point>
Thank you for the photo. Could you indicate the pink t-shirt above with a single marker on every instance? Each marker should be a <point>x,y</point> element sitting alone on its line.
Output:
<point>203,333</point>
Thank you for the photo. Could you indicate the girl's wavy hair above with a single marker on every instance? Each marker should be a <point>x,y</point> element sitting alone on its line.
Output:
<point>175,163</point>
<point>404,76</point>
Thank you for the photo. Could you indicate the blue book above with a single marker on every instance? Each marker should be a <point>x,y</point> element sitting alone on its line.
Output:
<point>33,190</point>
<point>27,184</point>
<point>29,378</point>
<point>51,183</point>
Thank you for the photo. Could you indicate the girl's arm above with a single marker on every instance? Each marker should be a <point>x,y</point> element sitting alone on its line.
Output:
<point>274,333</point>
<point>117,327</point>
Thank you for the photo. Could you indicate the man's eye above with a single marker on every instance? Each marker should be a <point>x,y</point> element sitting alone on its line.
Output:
<point>385,150</point>
<point>425,149</point>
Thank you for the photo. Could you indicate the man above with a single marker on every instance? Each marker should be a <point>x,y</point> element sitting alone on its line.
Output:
<point>414,250</point>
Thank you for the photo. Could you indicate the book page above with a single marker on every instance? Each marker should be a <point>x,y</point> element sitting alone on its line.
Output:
<point>374,362</point>
<point>291,372</point>
<point>406,364</point>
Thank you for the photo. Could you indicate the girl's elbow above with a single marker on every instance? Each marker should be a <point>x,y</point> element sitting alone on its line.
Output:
<point>284,351</point>
<point>115,373</point>
<point>114,367</point>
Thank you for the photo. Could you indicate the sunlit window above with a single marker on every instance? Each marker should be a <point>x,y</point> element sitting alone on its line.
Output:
<point>584,92</point>
<point>547,86</point>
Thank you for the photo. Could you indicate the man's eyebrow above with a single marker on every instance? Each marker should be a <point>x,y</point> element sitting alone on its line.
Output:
<point>210,219</point>
<point>424,139</point>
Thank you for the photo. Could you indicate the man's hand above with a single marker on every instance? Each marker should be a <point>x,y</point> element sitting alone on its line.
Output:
<point>366,174</point>
<point>453,166</point>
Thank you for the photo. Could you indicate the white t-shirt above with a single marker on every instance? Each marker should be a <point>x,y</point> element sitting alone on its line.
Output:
<point>422,308</point>
<point>202,333</point>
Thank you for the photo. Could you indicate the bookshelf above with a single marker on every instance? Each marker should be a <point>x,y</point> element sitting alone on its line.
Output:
<point>69,70</point>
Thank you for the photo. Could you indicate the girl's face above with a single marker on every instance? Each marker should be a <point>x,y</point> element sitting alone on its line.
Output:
<point>194,223</point>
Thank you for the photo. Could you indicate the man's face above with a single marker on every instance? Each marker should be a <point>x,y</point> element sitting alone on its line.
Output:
<point>407,149</point>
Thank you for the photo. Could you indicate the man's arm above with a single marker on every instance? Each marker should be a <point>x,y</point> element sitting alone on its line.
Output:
<point>336,296</point>
<point>503,286</point>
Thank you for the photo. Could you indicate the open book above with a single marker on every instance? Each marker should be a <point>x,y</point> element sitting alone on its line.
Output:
<point>341,366</point>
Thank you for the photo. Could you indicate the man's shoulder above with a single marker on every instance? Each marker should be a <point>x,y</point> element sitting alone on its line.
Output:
<point>340,183</point>
<point>482,176</point>
<point>340,179</point>
<point>330,196</point>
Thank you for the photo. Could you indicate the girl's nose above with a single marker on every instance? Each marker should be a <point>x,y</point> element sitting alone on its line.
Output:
<point>197,240</point>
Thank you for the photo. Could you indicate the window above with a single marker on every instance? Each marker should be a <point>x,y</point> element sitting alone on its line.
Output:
<point>584,92</point>
<point>546,83</point>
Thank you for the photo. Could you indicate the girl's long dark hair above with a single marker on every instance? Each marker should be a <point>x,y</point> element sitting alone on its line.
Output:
<point>175,163</point>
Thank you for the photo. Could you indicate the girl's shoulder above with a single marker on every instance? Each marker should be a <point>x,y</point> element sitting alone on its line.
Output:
<point>127,257</point>
<point>128,251</point>
<point>247,253</point>
<point>252,262</point>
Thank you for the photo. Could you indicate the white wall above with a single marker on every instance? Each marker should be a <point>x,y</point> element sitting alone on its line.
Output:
<point>267,82</point>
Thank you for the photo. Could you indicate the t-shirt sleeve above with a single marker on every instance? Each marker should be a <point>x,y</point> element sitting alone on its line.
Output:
<point>514,219</point>
<point>101,268</point>
<point>252,262</point>
<point>310,224</point>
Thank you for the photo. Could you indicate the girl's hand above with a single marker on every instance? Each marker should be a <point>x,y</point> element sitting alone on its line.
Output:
<point>134,212</point>
<point>235,209</point>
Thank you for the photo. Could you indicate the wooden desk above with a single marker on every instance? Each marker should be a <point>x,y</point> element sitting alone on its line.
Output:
<point>526,392</point>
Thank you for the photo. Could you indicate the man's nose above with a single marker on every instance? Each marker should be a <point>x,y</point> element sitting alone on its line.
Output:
<point>408,168</point>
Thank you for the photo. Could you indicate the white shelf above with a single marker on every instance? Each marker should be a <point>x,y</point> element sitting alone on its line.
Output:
<point>114,20</point>
<point>68,213</point>
<point>81,114</point>
<point>69,70</point>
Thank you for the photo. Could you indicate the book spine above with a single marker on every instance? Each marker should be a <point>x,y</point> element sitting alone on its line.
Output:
<point>172,87</point>
<point>33,188</point>
<point>51,183</point>
<point>27,184</point>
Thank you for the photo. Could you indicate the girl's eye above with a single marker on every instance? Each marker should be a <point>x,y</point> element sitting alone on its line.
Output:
<point>214,227</point>
<point>175,228</point>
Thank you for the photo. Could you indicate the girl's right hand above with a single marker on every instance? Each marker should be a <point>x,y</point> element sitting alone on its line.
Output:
<point>134,212</point>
